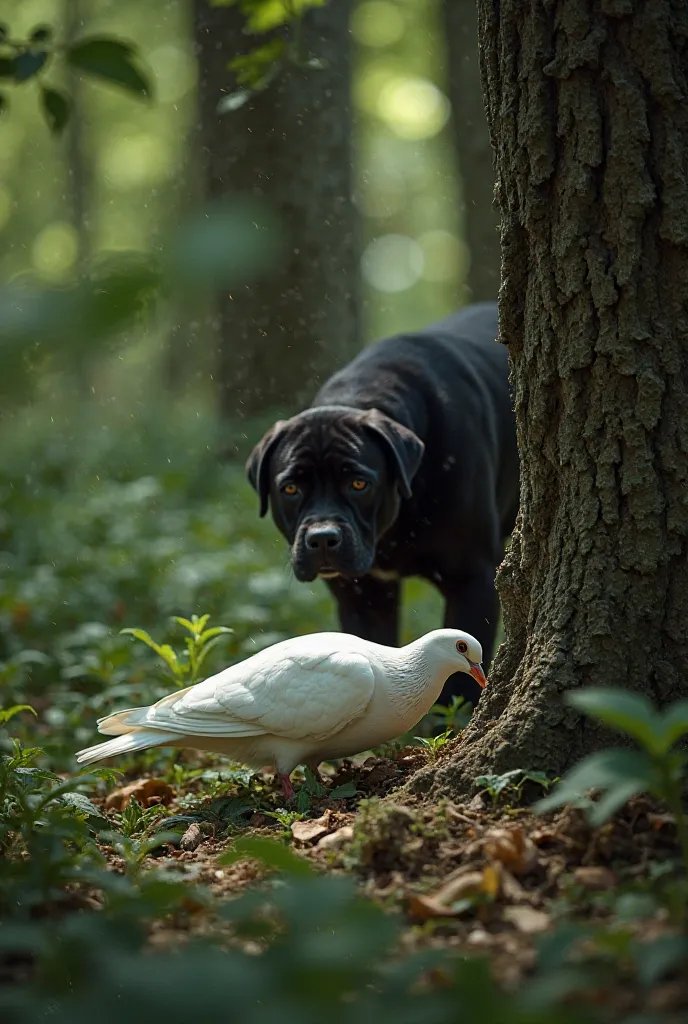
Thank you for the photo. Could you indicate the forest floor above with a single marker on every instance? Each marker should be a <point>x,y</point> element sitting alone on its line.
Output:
<point>127,525</point>
<point>487,876</point>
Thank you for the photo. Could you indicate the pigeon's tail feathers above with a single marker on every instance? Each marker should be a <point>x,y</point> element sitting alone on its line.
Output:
<point>125,744</point>
<point>122,722</point>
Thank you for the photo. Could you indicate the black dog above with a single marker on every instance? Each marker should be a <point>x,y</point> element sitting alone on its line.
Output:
<point>405,465</point>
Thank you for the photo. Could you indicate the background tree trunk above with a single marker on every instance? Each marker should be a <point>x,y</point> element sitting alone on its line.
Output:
<point>588,109</point>
<point>472,141</point>
<point>279,338</point>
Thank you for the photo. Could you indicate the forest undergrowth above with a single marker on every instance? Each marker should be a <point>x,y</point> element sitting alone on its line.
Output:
<point>132,564</point>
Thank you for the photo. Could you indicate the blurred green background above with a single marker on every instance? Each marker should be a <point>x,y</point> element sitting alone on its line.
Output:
<point>115,509</point>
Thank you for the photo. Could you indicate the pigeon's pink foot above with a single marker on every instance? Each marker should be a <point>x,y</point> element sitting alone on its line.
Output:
<point>287,787</point>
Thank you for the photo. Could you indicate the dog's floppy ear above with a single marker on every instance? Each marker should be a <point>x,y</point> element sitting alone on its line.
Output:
<point>258,463</point>
<point>405,448</point>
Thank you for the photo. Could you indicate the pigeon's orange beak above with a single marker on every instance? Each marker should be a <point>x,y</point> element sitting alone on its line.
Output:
<point>478,674</point>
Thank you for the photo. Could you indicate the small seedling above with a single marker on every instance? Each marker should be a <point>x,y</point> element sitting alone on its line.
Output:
<point>455,716</point>
<point>135,819</point>
<point>496,785</point>
<point>433,744</point>
<point>185,668</point>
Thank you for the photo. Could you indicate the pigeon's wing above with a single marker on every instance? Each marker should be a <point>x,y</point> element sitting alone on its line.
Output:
<point>301,696</point>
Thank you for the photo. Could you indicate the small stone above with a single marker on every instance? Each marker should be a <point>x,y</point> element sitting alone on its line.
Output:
<point>311,831</point>
<point>333,840</point>
<point>595,878</point>
<point>527,919</point>
<point>192,838</point>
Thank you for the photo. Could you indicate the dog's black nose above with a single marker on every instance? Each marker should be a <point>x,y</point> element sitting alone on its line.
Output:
<point>325,537</point>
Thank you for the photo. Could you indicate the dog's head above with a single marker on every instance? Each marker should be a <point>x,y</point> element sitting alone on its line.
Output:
<point>334,477</point>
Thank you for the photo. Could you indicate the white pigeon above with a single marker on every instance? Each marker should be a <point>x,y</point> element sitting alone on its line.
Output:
<point>302,701</point>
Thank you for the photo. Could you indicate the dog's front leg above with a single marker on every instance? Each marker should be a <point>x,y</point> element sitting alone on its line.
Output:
<point>368,608</point>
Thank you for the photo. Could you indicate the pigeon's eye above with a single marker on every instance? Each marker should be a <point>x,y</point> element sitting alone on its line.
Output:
<point>290,490</point>
<point>461,646</point>
<point>358,484</point>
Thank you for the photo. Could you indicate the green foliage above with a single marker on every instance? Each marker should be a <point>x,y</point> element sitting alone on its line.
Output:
<point>620,774</point>
<point>55,328</point>
<point>433,744</point>
<point>111,60</point>
<point>455,716</point>
<point>185,669</point>
<point>261,66</point>
<point>511,783</point>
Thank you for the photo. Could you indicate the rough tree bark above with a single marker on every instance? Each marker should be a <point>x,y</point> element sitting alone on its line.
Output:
<point>588,109</point>
<point>472,144</point>
<point>279,338</point>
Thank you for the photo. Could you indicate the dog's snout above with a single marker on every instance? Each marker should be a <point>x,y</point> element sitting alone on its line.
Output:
<point>324,537</point>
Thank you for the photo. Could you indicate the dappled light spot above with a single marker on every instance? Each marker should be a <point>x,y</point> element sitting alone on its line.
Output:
<point>369,82</point>
<point>413,107</point>
<point>392,263</point>
<point>378,23</point>
<point>445,256</point>
<point>135,159</point>
<point>55,250</point>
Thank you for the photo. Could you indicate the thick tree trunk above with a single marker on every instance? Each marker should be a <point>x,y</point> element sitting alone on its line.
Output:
<point>291,145</point>
<point>588,109</point>
<point>474,151</point>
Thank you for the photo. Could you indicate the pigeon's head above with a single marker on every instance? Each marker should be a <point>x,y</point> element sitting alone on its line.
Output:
<point>457,650</point>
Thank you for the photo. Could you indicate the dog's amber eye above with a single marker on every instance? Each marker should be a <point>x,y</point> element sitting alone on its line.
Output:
<point>359,485</point>
<point>461,646</point>
<point>290,489</point>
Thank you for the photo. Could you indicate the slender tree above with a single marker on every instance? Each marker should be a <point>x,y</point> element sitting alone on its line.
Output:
<point>290,145</point>
<point>473,148</point>
<point>588,110</point>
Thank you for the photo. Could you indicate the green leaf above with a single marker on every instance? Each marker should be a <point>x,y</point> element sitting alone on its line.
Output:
<point>184,623</point>
<point>272,13</point>
<point>27,64</point>
<point>56,109</point>
<point>657,958</point>
<point>673,724</point>
<point>7,713</point>
<point>111,60</point>
<point>255,70</point>
<point>343,792</point>
<point>624,772</point>
<point>4,32</point>
<point>628,712</point>
<point>269,853</point>
<point>163,651</point>
<point>80,802</point>
<point>215,631</point>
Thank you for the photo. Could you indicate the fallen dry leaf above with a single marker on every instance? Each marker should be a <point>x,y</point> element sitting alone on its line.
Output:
<point>310,831</point>
<point>425,908</point>
<point>595,878</point>
<point>147,792</point>
<point>512,848</point>
<point>527,919</point>
<point>442,902</point>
